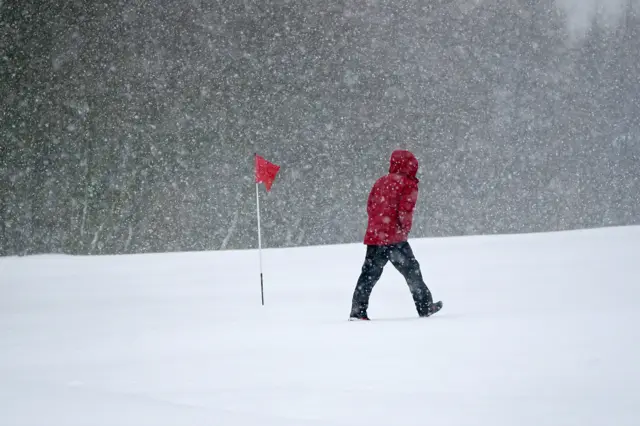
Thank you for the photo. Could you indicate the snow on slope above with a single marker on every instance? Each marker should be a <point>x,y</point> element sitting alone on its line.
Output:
<point>536,330</point>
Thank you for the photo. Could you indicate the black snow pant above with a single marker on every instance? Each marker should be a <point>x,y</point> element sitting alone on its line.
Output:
<point>402,258</point>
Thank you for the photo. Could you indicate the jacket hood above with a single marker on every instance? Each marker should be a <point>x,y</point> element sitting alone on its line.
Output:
<point>404,163</point>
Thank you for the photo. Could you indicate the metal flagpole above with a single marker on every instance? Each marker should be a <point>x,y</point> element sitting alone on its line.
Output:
<point>259,242</point>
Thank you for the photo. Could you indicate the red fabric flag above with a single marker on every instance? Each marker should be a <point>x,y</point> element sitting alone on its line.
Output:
<point>265,172</point>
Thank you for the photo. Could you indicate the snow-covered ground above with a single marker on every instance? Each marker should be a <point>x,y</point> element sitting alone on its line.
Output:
<point>536,330</point>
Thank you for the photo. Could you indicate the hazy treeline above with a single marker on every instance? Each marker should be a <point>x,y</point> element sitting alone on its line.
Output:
<point>130,126</point>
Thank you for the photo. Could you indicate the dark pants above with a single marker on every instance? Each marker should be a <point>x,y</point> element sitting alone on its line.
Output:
<point>402,258</point>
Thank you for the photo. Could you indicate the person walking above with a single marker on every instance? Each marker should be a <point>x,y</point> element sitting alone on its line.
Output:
<point>390,206</point>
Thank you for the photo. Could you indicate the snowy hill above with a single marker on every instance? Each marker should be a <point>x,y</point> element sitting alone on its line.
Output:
<point>536,330</point>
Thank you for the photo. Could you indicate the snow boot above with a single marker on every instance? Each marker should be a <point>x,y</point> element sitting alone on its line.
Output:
<point>432,309</point>
<point>360,317</point>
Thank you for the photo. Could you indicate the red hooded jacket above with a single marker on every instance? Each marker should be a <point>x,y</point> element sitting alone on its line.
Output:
<point>392,200</point>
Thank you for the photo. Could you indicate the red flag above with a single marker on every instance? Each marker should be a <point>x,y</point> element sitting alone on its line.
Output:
<point>265,172</point>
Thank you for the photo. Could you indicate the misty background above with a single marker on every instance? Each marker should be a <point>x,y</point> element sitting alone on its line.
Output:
<point>130,126</point>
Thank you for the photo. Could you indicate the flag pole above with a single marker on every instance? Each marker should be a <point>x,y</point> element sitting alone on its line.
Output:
<point>259,242</point>
<point>265,173</point>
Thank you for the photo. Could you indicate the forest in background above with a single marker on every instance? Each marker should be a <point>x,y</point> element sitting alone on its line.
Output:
<point>130,127</point>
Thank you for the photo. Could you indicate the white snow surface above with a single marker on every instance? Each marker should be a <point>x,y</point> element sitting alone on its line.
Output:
<point>537,329</point>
